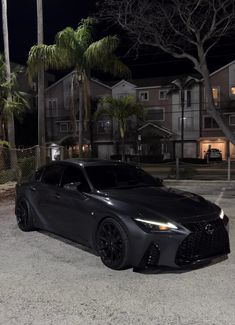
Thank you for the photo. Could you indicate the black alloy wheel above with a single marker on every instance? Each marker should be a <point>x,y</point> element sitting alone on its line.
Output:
<point>23,217</point>
<point>112,244</point>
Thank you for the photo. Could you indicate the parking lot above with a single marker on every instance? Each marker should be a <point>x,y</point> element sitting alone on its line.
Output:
<point>45,279</point>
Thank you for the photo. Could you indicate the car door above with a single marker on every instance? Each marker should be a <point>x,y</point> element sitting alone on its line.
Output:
<point>73,205</point>
<point>45,194</point>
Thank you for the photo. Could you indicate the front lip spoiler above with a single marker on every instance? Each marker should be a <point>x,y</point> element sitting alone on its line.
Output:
<point>203,261</point>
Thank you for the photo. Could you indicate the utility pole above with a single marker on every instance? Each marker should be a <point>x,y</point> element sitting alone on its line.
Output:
<point>182,122</point>
<point>10,117</point>
<point>41,88</point>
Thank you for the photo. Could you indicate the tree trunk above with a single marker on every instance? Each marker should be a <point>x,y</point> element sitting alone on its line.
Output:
<point>10,117</point>
<point>87,109</point>
<point>122,133</point>
<point>41,86</point>
<point>211,109</point>
<point>72,107</point>
<point>80,128</point>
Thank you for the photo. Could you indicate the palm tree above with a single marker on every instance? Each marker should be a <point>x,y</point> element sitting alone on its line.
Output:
<point>180,86</point>
<point>77,49</point>
<point>12,101</point>
<point>121,109</point>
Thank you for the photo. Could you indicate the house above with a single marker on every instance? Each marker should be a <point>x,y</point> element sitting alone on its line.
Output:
<point>151,137</point>
<point>223,88</point>
<point>160,134</point>
<point>59,125</point>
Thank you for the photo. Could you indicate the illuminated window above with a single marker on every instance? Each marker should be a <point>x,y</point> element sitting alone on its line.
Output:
<point>216,95</point>
<point>233,90</point>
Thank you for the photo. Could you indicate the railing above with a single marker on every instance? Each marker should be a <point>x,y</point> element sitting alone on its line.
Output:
<point>178,170</point>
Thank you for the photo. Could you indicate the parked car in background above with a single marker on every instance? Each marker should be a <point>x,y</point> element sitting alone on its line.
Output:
<point>213,154</point>
<point>123,213</point>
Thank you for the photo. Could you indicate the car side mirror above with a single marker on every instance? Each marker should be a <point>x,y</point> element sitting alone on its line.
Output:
<point>72,186</point>
<point>158,181</point>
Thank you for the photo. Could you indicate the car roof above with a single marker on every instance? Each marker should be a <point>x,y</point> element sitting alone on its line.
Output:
<point>89,162</point>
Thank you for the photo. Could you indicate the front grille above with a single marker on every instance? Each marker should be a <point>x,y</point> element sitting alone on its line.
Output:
<point>151,256</point>
<point>207,239</point>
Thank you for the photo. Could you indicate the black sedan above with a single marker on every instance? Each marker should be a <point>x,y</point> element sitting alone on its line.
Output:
<point>122,212</point>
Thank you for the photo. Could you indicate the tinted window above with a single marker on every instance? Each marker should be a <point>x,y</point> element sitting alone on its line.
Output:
<point>73,174</point>
<point>52,175</point>
<point>118,176</point>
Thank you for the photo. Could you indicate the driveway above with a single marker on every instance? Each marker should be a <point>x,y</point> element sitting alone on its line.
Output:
<point>47,280</point>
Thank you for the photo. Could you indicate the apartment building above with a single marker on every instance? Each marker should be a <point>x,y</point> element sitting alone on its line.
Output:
<point>161,132</point>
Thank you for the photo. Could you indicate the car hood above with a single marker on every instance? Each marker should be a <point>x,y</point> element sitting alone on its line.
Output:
<point>158,202</point>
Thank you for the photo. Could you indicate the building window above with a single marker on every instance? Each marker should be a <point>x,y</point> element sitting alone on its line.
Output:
<point>51,105</point>
<point>103,127</point>
<point>143,96</point>
<point>64,128</point>
<point>163,94</point>
<point>156,114</point>
<point>188,123</point>
<point>210,123</point>
<point>232,90</point>
<point>216,95</point>
<point>122,95</point>
<point>67,102</point>
<point>231,119</point>
<point>188,98</point>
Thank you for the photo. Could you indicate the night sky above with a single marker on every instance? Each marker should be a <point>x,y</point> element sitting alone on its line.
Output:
<point>61,13</point>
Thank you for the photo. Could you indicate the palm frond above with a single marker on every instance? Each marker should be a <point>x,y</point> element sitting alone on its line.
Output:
<point>46,57</point>
<point>104,47</point>
<point>100,56</point>
<point>65,38</point>
<point>120,108</point>
<point>84,32</point>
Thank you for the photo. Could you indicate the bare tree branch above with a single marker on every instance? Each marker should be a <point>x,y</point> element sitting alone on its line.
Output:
<point>185,29</point>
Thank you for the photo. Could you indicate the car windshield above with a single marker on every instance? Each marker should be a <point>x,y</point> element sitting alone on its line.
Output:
<point>118,176</point>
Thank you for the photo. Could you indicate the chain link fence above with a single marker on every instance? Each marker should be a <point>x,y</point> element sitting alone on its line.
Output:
<point>26,161</point>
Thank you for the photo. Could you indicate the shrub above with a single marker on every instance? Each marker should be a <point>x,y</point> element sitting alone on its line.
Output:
<point>8,175</point>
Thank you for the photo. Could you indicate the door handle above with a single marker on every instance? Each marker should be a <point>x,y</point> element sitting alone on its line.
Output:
<point>33,189</point>
<point>57,196</point>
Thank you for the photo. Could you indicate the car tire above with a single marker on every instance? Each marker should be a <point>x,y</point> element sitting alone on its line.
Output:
<point>112,244</point>
<point>23,216</point>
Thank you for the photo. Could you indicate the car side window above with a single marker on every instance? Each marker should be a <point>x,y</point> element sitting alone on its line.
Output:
<point>52,175</point>
<point>73,174</point>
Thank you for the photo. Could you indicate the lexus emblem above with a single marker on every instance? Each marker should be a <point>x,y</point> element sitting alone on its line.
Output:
<point>209,229</point>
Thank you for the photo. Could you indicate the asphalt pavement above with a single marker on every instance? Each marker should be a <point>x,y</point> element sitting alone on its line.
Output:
<point>46,280</point>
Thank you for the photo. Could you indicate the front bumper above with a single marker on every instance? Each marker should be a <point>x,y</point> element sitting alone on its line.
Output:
<point>190,245</point>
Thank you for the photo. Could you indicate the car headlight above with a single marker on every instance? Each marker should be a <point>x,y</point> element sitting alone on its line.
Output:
<point>155,225</point>
<point>221,214</point>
